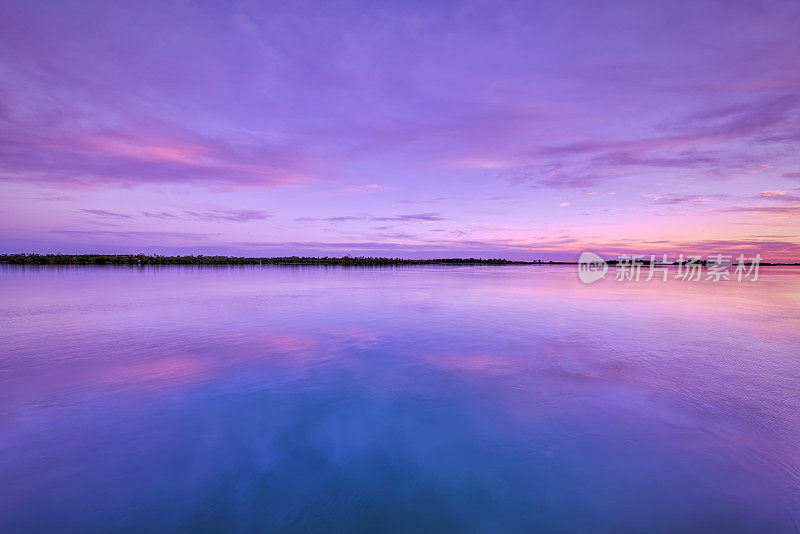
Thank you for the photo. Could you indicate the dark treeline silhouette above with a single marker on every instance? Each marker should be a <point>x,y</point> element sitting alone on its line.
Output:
<point>142,259</point>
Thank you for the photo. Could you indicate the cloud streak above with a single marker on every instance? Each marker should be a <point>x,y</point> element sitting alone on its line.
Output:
<point>414,217</point>
<point>106,214</point>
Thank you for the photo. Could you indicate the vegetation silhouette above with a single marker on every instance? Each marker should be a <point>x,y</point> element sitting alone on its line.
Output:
<point>142,259</point>
<point>355,261</point>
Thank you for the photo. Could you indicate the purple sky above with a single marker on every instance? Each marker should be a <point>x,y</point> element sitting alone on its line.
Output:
<point>417,129</point>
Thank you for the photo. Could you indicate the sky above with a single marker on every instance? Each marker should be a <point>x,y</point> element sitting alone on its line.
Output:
<point>523,130</point>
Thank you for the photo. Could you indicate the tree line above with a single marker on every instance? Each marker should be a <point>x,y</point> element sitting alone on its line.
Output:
<point>143,259</point>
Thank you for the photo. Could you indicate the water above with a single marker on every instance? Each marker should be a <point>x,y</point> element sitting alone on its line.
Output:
<point>479,399</point>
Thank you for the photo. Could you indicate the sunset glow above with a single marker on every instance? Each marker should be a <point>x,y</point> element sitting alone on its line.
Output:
<point>486,129</point>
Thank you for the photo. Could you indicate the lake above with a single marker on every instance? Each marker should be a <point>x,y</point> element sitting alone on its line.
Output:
<point>435,399</point>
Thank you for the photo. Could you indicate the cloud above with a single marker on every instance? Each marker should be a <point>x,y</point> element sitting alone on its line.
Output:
<point>393,235</point>
<point>766,210</point>
<point>107,214</point>
<point>50,197</point>
<point>681,199</point>
<point>221,215</point>
<point>152,237</point>
<point>700,142</point>
<point>556,175</point>
<point>344,218</point>
<point>161,215</point>
<point>686,159</point>
<point>428,217</point>
<point>565,247</point>
<point>228,215</point>
<point>366,188</point>
<point>426,201</point>
<point>762,115</point>
<point>783,196</point>
<point>81,163</point>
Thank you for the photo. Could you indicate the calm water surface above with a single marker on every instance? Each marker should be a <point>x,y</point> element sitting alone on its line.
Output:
<point>475,399</point>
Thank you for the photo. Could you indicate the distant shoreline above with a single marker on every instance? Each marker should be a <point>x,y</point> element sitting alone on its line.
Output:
<point>142,259</point>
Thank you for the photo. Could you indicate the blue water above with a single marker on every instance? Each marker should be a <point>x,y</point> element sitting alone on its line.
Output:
<point>434,399</point>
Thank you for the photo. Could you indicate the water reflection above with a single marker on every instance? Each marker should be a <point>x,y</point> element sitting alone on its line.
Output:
<point>477,399</point>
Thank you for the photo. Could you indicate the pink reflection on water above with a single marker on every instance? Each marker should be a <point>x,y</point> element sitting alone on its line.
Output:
<point>163,372</point>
